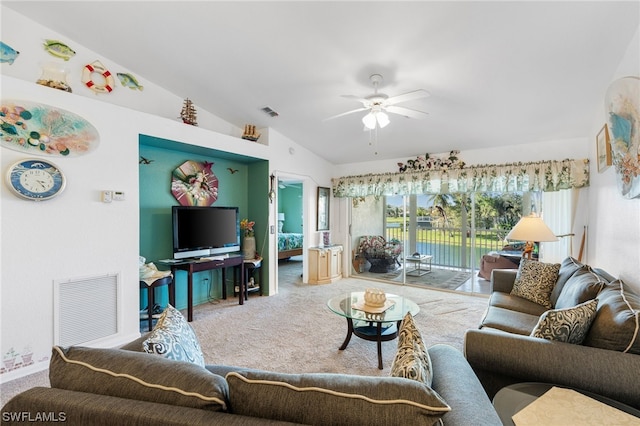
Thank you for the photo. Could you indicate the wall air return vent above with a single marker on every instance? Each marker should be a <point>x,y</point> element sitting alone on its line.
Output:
<point>86,309</point>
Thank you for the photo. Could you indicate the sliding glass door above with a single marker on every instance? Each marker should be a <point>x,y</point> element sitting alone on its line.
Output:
<point>443,236</point>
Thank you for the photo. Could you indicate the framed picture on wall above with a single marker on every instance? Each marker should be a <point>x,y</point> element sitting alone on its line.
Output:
<point>603,145</point>
<point>323,208</point>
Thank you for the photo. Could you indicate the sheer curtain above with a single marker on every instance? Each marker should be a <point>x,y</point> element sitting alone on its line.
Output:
<point>557,213</point>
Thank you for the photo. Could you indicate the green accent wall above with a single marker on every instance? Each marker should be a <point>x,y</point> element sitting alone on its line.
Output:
<point>245,188</point>
<point>290,203</point>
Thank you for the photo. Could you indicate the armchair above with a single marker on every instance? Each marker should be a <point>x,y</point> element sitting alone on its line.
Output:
<point>380,253</point>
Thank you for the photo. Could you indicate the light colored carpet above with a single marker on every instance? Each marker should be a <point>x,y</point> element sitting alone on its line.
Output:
<point>295,332</point>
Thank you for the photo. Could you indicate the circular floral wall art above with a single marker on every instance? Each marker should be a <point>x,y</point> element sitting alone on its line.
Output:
<point>622,104</point>
<point>35,128</point>
<point>194,184</point>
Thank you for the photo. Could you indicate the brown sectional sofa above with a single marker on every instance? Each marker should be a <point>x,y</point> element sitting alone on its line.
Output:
<point>502,352</point>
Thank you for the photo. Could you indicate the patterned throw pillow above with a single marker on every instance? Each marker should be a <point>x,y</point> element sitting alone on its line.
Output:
<point>535,281</point>
<point>173,338</point>
<point>412,360</point>
<point>568,325</point>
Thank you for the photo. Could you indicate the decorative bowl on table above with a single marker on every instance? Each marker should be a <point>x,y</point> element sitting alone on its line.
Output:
<point>374,297</point>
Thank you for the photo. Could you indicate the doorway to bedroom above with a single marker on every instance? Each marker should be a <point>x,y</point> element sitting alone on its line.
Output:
<point>290,227</point>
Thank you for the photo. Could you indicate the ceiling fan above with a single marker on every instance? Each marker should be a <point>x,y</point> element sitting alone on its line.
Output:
<point>378,104</point>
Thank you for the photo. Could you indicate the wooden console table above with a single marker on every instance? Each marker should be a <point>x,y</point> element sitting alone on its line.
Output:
<point>197,265</point>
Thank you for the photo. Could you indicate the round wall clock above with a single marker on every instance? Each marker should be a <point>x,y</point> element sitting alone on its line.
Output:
<point>36,179</point>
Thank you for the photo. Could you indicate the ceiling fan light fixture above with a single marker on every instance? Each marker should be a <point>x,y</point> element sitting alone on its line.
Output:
<point>383,119</point>
<point>369,121</point>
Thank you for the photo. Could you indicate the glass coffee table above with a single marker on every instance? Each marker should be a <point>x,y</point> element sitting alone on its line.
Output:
<point>375,327</point>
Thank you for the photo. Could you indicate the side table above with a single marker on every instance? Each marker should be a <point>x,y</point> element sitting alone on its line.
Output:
<point>513,398</point>
<point>168,281</point>
<point>251,266</point>
<point>418,260</point>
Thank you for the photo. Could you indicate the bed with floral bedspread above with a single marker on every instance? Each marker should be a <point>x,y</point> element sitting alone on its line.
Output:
<point>289,244</point>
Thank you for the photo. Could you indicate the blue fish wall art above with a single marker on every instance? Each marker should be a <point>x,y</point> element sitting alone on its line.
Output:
<point>7,53</point>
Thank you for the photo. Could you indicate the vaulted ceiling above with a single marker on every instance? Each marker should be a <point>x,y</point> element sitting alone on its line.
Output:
<point>498,73</point>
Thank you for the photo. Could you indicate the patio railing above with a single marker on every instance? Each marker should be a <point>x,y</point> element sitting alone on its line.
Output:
<point>451,247</point>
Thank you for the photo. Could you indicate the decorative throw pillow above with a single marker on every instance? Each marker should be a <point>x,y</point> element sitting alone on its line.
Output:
<point>412,360</point>
<point>568,325</point>
<point>173,338</point>
<point>535,281</point>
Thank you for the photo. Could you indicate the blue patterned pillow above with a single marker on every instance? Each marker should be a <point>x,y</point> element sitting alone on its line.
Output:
<point>569,325</point>
<point>173,338</point>
<point>412,360</point>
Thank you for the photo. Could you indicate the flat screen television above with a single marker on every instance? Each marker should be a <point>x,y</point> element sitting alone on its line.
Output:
<point>204,231</point>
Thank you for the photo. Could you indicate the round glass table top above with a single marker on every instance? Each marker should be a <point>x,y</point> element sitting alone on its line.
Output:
<point>345,305</point>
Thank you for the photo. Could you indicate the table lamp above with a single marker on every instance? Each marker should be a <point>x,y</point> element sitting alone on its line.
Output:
<point>280,221</point>
<point>531,229</point>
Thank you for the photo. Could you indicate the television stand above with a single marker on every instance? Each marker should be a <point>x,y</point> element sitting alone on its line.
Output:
<point>199,264</point>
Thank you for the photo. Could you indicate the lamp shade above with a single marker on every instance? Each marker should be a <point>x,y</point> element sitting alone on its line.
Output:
<point>281,216</point>
<point>369,121</point>
<point>383,119</point>
<point>374,117</point>
<point>531,228</point>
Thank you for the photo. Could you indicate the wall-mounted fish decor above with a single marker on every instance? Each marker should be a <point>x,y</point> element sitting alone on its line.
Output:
<point>128,80</point>
<point>58,49</point>
<point>7,53</point>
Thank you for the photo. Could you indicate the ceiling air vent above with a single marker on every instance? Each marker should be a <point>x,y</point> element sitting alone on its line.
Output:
<point>270,111</point>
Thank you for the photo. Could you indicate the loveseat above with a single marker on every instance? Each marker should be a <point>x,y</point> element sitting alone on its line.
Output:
<point>380,253</point>
<point>127,386</point>
<point>520,340</point>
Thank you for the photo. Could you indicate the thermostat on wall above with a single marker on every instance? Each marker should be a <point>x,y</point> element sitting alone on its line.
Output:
<point>109,196</point>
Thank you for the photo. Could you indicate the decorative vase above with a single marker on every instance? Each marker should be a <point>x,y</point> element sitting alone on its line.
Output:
<point>249,247</point>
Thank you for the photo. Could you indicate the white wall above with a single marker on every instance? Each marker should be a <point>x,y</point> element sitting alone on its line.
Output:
<point>614,222</point>
<point>76,235</point>
<point>290,160</point>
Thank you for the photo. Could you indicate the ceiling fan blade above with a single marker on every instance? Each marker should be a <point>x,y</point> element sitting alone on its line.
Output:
<point>346,113</point>
<point>407,112</point>
<point>409,96</point>
<point>365,102</point>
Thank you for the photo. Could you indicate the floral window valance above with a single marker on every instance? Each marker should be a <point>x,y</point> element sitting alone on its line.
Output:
<point>534,176</point>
